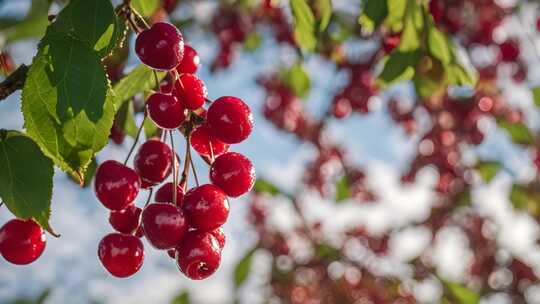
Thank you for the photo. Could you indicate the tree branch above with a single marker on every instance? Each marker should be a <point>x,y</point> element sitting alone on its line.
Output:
<point>14,82</point>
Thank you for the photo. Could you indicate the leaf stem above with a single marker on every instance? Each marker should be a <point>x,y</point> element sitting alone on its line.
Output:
<point>139,131</point>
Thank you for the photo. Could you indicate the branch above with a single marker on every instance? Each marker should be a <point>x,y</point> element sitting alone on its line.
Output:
<point>14,82</point>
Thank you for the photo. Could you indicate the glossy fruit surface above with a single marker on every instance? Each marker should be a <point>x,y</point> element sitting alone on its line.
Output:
<point>164,225</point>
<point>191,91</point>
<point>199,255</point>
<point>121,254</point>
<point>230,119</point>
<point>165,110</point>
<point>161,47</point>
<point>21,241</point>
<point>165,194</point>
<point>153,161</point>
<point>126,220</point>
<point>202,139</point>
<point>206,207</point>
<point>116,185</point>
<point>190,62</point>
<point>233,173</point>
<point>219,234</point>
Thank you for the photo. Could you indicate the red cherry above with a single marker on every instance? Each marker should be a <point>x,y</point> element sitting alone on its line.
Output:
<point>191,61</point>
<point>509,50</point>
<point>202,139</point>
<point>146,184</point>
<point>171,253</point>
<point>121,254</point>
<point>206,207</point>
<point>160,47</point>
<point>233,173</point>
<point>191,91</point>
<point>230,119</point>
<point>165,194</point>
<point>199,255</point>
<point>21,241</point>
<point>219,234</point>
<point>126,220</point>
<point>164,225</point>
<point>116,185</point>
<point>165,111</point>
<point>153,161</point>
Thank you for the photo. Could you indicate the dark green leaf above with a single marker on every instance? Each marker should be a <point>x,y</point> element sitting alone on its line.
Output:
<point>304,25</point>
<point>488,170</point>
<point>241,272</point>
<point>182,298</point>
<point>343,190</point>
<point>373,14</point>
<point>264,186</point>
<point>125,121</point>
<point>519,132</point>
<point>145,7</point>
<point>400,66</point>
<point>27,178</point>
<point>140,79</point>
<point>324,8</point>
<point>462,294</point>
<point>297,79</point>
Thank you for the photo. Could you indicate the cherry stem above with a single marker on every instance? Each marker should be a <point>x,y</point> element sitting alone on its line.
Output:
<point>208,100</point>
<point>139,131</point>
<point>187,161</point>
<point>149,196</point>
<point>175,179</point>
<point>139,17</point>
<point>157,81</point>
<point>194,170</point>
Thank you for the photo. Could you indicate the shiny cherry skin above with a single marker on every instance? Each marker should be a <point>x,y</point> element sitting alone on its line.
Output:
<point>199,255</point>
<point>21,241</point>
<point>126,220</point>
<point>206,207</point>
<point>160,47</point>
<point>191,91</point>
<point>233,173</point>
<point>190,62</point>
<point>116,185</point>
<point>146,184</point>
<point>153,161</point>
<point>164,225</point>
<point>509,50</point>
<point>165,110</point>
<point>202,139</point>
<point>121,254</point>
<point>230,119</point>
<point>219,234</point>
<point>165,194</point>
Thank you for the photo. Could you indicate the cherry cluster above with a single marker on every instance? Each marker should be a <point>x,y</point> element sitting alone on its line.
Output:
<point>185,223</point>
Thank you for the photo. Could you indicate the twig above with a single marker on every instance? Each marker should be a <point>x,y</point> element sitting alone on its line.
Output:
<point>136,139</point>
<point>15,81</point>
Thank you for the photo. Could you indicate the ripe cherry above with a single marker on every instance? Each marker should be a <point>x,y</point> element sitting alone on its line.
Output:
<point>164,225</point>
<point>509,50</point>
<point>121,254</point>
<point>153,161</point>
<point>230,119</point>
<point>116,185</point>
<point>165,111</point>
<point>202,139</point>
<point>219,234</point>
<point>126,220</point>
<point>165,194</point>
<point>191,61</point>
<point>206,207</point>
<point>199,255</point>
<point>21,241</point>
<point>160,47</point>
<point>233,173</point>
<point>191,91</point>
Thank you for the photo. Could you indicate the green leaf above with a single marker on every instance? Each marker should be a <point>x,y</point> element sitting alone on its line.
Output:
<point>519,197</point>
<point>241,272</point>
<point>438,45</point>
<point>410,37</point>
<point>462,294</point>
<point>182,298</point>
<point>373,14</point>
<point>400,66</point>
<point>519,132</point>
<point>252,42</point>
<point>458,75</point>
<point>536,96</point>
<point>488,170</point>
<point>145,7</point>
<point>27,178</point>
<point>304,25</point>
<point>297,79</point>
<point>140,79</point>
<point>324,8</point>
<point>67,105</point>
<point>396,13</point>
<point>33,25</point>
<point>328,252</point>
<point>343,190</point>
<point>150,129</point>
<point>264,186</point>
